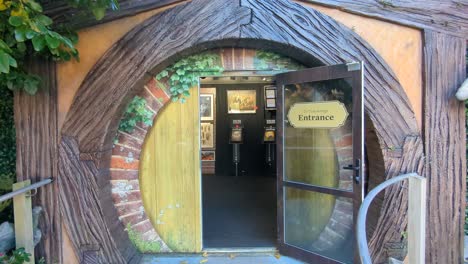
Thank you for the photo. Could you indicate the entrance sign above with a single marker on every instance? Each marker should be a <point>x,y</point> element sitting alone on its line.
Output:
<point>331,114</point>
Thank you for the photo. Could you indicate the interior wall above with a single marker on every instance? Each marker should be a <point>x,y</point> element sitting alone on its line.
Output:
<point>252,158</point>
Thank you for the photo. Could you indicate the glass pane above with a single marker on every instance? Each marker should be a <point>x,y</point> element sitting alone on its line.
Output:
<point>319,223</point>
<point>318,133</point>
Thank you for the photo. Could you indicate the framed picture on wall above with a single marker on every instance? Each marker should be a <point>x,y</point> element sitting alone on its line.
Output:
<point>207,135</point>
<point>242,101</point>
<point>270,104</point>
<point>206,107</point>
<point>208,155</point>
<point>270,97</point>
<point>270,91</point>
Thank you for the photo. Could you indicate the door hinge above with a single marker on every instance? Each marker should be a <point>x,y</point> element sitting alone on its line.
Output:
<point>353,66</point>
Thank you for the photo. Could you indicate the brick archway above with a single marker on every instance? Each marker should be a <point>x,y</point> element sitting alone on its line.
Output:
<point>88,131</point>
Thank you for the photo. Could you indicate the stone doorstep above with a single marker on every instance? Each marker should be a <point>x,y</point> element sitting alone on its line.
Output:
<point>217,258</point>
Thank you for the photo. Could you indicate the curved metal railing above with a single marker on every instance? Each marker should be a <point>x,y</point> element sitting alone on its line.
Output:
<point>417,204</point>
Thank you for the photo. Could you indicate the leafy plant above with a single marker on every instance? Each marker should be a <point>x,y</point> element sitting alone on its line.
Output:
<point>141,244</point>
<point>266,60</point>
<point>25,31</point>
<point>185,73</point>
<point>135,112</point>
<point>7,151</point>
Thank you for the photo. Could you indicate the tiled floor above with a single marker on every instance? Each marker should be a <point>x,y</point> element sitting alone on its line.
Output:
<point>245,258</point>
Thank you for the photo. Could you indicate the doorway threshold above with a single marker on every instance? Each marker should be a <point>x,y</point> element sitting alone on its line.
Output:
<point>219,258</point>
<point>241,250</point>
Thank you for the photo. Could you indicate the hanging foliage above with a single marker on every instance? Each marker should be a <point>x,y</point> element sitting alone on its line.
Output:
<point>25,31</point>
<point>184,74</point>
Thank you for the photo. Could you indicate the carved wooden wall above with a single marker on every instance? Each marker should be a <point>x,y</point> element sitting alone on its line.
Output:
<point>36,158</point>
<point>86,142</point>
<point>444,135</point>
<point>92,119</point>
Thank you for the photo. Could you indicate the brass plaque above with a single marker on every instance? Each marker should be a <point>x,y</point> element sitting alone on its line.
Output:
<point>329,114</point>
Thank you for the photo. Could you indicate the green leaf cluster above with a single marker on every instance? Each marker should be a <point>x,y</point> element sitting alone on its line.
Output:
<point>18,256</point>
<point>265,60</point>
<point>136,112</point>
<point>7,151</point>
<point>96,7</point>
<point>25,31</point>
<point>184,74</point>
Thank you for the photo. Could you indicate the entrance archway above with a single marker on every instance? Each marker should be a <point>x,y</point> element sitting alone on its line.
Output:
<point>280,26</point>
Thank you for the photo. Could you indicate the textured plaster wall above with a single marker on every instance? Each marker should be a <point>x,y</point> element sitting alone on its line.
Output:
<point>400,46</point>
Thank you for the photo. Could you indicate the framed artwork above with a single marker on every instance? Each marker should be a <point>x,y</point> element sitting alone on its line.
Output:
<point>207,135</point>
<point>270,103</point>
<point>270,97</point>
<point>236,135</point>
<point>270,92</point>
<point>269,135</point>
<point>208,155</point>
<point>206,107</point>
<point>242,101</point>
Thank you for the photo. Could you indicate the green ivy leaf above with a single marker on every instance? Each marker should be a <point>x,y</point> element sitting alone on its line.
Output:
<point>12,61</point>
<point>31,86</point>
<point>34,5</point>
<point>38,43</point>
<point>4,46</point>
<point>15,21</point>
<point>44,20</point>
<point>4,62</point>
<point>20,34</point>
<point>99,13</point>
<point>52,42</point>
<point>30,34</point>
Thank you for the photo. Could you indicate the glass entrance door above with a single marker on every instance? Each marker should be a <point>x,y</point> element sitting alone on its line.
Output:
<point>320,160</point>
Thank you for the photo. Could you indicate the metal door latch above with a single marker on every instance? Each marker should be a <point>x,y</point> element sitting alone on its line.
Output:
<point>357,169</point>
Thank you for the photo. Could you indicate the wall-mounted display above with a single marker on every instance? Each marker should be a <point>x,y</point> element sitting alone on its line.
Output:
<point>270,97</point>
<point>236,135</point>
<point>270,91</point>
<point>269,135</point>
<point>270,103</point>
<point>208,155</point>
<point>206,107</point>
<point>207,135</point>
<point>242,101</point>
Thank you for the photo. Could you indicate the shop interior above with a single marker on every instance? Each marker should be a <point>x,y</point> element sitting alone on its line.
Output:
<point>237,126</point>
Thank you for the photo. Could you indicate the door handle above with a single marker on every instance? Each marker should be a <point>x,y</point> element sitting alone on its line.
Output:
<point>357,169</point>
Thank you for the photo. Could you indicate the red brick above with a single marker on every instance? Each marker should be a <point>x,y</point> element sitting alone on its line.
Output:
<point>143,227</point>
<point>124,197</point>
<point>135,184</point>
<point>129,141</point>
<point>344,141</point>
<point>120,150</point>
<point>151,101</point>
<point>133,219</point>
<point>158,90</point>
<point>129,208</point>
<point>140,133</point>
<point>118,162</point>
<point>124,174</point>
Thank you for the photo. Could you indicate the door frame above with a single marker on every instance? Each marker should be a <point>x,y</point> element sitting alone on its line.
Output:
<point>355,71</point>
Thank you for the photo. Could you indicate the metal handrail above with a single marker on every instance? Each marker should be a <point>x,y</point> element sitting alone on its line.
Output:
<point>362,215</point>
<point>33,186</point>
